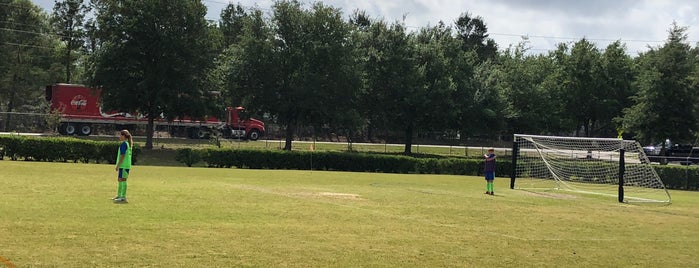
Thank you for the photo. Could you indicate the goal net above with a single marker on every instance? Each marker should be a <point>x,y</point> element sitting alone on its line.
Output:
<point>611,167</point>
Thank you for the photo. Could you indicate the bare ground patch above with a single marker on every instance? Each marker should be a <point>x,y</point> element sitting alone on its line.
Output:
<point>341,195</point>
<point>303,193</point>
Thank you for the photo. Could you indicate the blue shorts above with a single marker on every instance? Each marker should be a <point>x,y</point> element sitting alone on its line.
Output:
<point>489,175</point>
<point>123,173</point>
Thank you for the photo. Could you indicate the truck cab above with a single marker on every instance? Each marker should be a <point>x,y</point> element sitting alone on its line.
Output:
<point>239,125</point>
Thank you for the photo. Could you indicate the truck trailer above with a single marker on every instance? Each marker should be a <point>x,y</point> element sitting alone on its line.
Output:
<point>80,111</point>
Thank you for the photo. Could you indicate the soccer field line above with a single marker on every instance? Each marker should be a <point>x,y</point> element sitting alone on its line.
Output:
<point>434,223</point>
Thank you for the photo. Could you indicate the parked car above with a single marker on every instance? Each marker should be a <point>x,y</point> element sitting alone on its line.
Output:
<point>681,153</point>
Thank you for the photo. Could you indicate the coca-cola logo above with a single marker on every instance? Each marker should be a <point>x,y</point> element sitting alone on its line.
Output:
<point>78,102</point>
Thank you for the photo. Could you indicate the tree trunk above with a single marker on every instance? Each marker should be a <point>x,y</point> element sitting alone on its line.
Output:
<point>68,67</point>
<point>149,131</point>
<point>408,140</point>
<point>69,48</point>
<point>8,118</point>
<point>289,136</point>
<point>587,128</point>
<point>13,93</point>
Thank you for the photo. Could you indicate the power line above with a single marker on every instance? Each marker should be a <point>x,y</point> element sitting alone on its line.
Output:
<point>25,45</point>
<point>30,32</point>
<point>17,23</point>
<point>19,6</point>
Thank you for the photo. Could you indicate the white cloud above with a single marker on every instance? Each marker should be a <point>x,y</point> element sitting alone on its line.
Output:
<point>547,22</point>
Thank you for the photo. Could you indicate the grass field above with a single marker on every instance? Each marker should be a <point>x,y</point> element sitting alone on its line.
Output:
<point>60,215</point>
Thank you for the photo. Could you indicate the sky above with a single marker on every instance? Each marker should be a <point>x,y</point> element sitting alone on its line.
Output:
<point>637,23</point>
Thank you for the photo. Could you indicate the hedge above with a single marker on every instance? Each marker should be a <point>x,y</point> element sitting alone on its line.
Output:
<point>345,161</point>
<point>679,177</point>
<point>77,150</point>
<point>60,149</point>
<point>674,177</point>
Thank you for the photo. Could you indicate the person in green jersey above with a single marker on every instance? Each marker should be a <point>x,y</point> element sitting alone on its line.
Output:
<point>123,164</point>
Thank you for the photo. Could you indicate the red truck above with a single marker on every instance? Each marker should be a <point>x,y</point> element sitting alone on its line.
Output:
<point>80,111</point>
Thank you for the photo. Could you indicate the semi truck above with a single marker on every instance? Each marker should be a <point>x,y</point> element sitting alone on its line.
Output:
<point>80,111</point>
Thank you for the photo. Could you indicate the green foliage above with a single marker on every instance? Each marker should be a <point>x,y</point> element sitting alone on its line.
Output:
<point>527,81</point>
<point>60,150</point>
<point>188,156</point>
<point>163,59</point>
<point>67,20</point>
<point>299,67</point>
<point>665,105</point>
<point>679,177</point>
<point>393,91</point>
<point>27,59</point>
<point>232,22</point>
<point>346,161</point>
<point>474,35</point>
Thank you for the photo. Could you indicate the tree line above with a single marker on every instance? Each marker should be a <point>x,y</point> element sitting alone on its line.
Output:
<point>312,65</point>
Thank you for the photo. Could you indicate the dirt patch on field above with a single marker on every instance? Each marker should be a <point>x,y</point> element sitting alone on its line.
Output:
<point>340,195</point>
<point>550,195</point>
<point>301,193</point>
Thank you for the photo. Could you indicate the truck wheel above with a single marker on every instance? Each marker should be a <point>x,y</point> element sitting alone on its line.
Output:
<point>198,133</point>
<point>68,129</point>
<point>254,135</point>
<point>85,130</point>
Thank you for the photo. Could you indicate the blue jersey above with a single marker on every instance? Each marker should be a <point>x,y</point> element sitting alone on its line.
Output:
<point>490,164</point>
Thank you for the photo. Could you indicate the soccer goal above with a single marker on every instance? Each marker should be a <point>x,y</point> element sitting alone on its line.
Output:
<point>602,166</point>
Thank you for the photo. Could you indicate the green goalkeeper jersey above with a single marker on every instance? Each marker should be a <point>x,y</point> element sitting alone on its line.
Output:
<point>124,149</point>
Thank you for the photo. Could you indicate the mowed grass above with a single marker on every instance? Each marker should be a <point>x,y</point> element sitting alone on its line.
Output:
<point>60,215</point>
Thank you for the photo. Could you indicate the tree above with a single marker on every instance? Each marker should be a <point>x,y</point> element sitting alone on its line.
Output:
<point>394,80</point>
<point>68,21</point>
<point>26,66</point>
<point>231,24</point>
<point>299,67</point>
<point>581,83</point>
<point>521,78</point>
<point>447,81</point>
<point>150,61</point>
<point>246,68</point>
<point>333,72</point>
<point>618,73</point>
<point>664,106</point>
<point>473,32</point>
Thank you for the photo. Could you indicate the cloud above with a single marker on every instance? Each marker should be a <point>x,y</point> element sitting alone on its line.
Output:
<point>638,23</point>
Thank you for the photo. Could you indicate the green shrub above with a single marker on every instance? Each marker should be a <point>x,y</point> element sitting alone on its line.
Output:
<point>679,177</point>
<point>188,156</point>
<point>61,149</point>
<point>346,161</point>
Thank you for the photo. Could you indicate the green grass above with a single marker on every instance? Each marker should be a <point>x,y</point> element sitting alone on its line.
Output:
<point>60,215</point>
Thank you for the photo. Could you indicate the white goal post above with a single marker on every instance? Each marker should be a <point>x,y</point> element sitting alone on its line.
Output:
<point>603,166</point>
